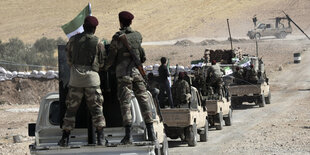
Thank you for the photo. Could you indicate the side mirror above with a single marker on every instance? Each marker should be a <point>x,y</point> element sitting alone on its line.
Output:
<point>31,129</point>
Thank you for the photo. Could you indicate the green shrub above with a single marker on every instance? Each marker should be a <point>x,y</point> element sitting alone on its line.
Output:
<point>15,53</point>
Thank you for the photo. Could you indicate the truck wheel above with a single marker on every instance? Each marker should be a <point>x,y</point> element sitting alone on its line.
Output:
<point>228,120</point>
<point>204,136</point>
<point>164,148</point>
<point>219,120</point>
<point>282,35</point>
<point>262,101</point>
<point>268,98</point>
<point>192,135</point>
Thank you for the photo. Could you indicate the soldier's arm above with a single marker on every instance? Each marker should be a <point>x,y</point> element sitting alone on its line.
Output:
<point>142,55</point>
<point>69,50</point>
<point>101,54</point>
<point>112,53</point>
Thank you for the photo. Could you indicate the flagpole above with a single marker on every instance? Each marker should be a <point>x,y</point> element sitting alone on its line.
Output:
<point>89,6</point>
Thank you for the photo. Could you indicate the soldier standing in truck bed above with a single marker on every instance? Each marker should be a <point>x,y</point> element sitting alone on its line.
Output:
<point>238,75</point>
<point>214,78</point>
<point>128,76</point>
<point>181,91</point>
<point>85,55</point>
<point>164,85</point>
<point>251,75</point>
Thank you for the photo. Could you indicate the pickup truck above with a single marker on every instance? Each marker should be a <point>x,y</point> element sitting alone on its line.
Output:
<point>47,130</point>
<point>188,120</point>
<point>257,93</point>
<point>219,111</point>
<point>47,133</point>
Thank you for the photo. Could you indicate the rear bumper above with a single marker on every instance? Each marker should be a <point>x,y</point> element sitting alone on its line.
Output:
<point>134,149</point>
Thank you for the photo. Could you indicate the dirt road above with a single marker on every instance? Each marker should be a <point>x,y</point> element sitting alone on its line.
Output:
<point>283,127</point>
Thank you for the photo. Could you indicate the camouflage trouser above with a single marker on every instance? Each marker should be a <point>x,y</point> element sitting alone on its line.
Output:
<point>94,100</point>
<point>182,99</point>
<point>125,86</point>
<point>217,84</point>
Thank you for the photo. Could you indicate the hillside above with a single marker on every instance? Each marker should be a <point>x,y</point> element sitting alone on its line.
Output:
<point>155,19</point>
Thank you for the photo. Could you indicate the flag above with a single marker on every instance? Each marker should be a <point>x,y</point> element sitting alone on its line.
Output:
<point>75,26</point>
<point>169,77</point>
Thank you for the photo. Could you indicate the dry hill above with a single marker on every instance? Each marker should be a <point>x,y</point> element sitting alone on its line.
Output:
<point>156,19</point>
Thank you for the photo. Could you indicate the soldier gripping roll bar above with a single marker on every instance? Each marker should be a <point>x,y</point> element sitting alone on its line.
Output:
<point>139,65</point>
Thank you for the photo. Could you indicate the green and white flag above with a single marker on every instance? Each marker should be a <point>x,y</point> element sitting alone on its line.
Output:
<point>75,26</point>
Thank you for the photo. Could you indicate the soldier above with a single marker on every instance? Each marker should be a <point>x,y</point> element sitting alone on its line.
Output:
<point>181,91</point>
<point>251,75</point>
<point>198,81</point>
<point>153,86</point>
<point>85,55</point>
<point>164,85</point>
<point>238,75</point>
<point>128,76</point>
<point>214,78</point>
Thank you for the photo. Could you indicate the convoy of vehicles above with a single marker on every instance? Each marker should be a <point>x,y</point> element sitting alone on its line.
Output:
<point>205,110</point>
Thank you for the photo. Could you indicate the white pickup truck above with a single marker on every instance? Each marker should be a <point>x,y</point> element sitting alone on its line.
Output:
<point>47,132</point>
<point>47,129</point>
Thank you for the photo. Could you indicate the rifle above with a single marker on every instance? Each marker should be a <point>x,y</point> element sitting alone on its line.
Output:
<point>134,57</point>
<point>290,19</point>
<point>139,65</point>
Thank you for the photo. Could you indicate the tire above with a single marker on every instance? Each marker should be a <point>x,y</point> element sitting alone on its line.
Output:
<point>268,98</point>
<point>157,150</point>
<point>235,103</point>
<point>262,101</point>
<point>192,135</point>
<point>228,120</point>
<point>282,35</point>
<point>204,136</point>
<point>219,119</point>
<point>164,148</point>
<point>257,36</point>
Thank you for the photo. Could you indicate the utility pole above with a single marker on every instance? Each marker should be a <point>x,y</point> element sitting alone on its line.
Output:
<point>230,39</point>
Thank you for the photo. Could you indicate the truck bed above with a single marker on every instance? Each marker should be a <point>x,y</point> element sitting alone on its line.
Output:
<point>242,90</point>
<point>212,106</point>
<point>178,117</point>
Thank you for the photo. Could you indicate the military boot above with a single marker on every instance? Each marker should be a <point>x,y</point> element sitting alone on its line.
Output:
<point>64,141</point>
<point>100,136</point>
<point>150,132</point>
<point>128,137</point>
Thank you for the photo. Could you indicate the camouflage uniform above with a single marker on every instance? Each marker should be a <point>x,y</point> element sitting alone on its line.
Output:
<point>128,77</point>
<point>181,92</point>
<point>85,62</point>
<point>251,75</point>
<point>215,78</point>
<point>238,75</point>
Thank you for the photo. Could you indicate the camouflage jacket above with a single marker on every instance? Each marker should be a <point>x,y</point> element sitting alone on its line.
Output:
<point>181,88</point>
<point>119,54</point>
<point>215,71</point>
<point>85,56</point>
<point>251,74</point>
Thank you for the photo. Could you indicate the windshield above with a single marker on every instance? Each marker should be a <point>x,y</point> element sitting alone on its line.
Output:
<point>261,26</point>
